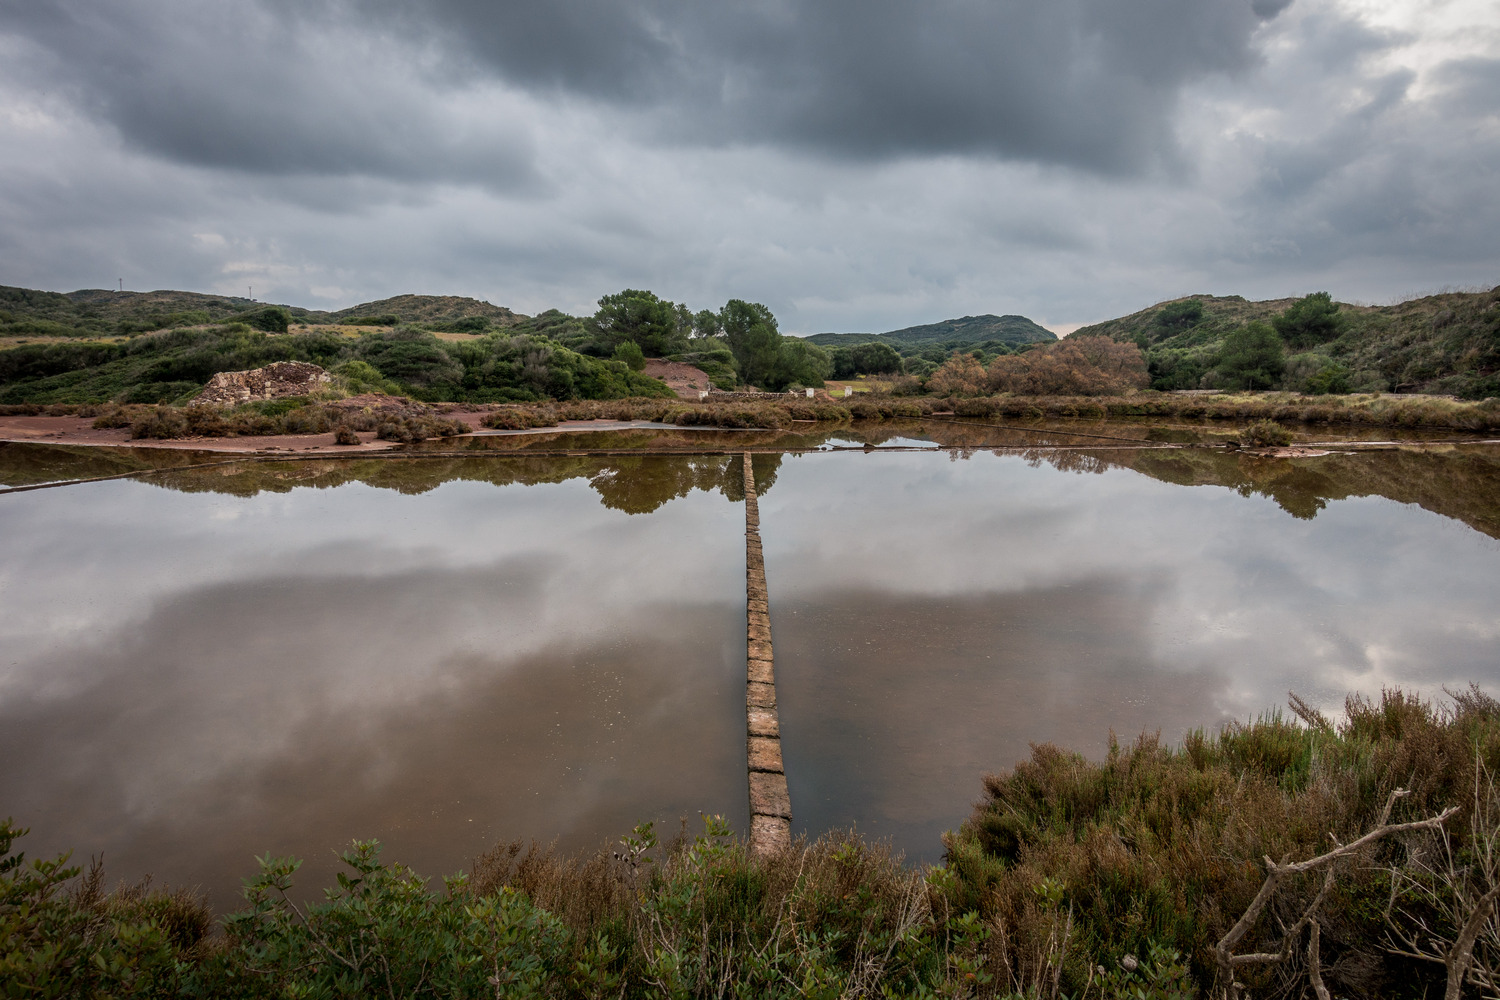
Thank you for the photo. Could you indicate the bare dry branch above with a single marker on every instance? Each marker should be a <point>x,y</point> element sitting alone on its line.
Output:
<point>1276,872</point>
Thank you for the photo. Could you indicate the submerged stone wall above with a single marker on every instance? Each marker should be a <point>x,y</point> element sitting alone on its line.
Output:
<point>770,802</point>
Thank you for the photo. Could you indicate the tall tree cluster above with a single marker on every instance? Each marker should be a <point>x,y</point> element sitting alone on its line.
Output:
<point>763,357</point>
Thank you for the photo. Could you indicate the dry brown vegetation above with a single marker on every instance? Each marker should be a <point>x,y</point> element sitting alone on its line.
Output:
<point>1159,844</point>
<point>1356,859</point>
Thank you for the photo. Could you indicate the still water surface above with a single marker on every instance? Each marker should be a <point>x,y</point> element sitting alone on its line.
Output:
<point>452,652</point>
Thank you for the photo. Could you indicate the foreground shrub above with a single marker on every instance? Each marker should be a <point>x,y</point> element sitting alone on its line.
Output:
<point>1108,879</point>
<point>1162,847</point>
<point>58,940</point>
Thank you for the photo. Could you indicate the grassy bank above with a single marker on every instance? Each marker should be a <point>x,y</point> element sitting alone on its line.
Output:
<point>1122,877</point>
<point>300,415</point>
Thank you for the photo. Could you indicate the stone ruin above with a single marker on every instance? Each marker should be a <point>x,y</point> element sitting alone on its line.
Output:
<point>281,378</point>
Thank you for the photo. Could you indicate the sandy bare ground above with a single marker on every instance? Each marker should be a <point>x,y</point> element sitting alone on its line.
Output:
<point>81,431</point>
<point>683,379</point>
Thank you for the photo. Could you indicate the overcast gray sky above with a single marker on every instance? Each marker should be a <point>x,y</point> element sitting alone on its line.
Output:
<point>853,164</point>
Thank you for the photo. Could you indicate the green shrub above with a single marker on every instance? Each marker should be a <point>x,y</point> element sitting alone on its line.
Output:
<point>1265,434</point>
<point>1161,847</point>
<point>1311,320</point>
<point>1250,358</point>
<point>272,319</point>
<point>64,942</point>
<point>629,352</point>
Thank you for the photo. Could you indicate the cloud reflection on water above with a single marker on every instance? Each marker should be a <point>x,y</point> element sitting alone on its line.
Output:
<point>285,657</point>
<point>934,617</point>
<point>189,688</point>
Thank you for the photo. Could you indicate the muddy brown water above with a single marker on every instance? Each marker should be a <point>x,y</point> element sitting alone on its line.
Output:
<point>449,652</point>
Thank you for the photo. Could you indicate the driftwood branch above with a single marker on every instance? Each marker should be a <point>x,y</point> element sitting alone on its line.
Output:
<point>1223,951</point>
<point>1462,951</point>
<point>1314,962</point>
<point>1469,911</point>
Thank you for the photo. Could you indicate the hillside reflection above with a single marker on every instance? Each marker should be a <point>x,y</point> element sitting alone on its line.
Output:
<point>1461,481</point>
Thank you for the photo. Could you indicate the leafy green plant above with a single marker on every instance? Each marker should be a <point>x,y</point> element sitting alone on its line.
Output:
<point>1250,358</point>
<point>1311,320</point>
<point>60,943</point>
<point>629,353</point>
<point>381,932</point>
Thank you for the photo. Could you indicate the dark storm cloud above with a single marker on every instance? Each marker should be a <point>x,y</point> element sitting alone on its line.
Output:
<point>235,87</point>
<point>282,88</point>
<point>1083,82</point>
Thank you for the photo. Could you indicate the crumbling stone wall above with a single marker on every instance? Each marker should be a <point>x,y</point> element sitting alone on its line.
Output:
<point>281,378</point>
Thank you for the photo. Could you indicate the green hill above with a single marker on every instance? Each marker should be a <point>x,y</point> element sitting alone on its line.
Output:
<point>1448,343</point>
<point>968,331</point>
<point>99,312</point>
<point>429,309</point>
<point>92,313</point>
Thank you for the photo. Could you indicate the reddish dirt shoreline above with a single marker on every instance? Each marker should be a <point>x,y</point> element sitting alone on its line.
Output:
<point>81,431</point>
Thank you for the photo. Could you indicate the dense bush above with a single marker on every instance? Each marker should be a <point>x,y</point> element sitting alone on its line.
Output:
<point>1252,357</point>
<point>272,319</point>
<point>172,366</point>
<point>406,428</point>
<point>960,375</point>
<point>1077,366</point>
<point>1309,321</point>
<point>1265,434</point>
<point>715,362</point>
<point>1445,343</point>
<point>144,369</point>
<point>629,354</point>
<point>864,359</point>
<point>1162,846</point>
<point>517,418</point>
<point>1102,879</point>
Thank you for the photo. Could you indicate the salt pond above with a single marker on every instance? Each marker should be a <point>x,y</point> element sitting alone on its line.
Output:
<point>449,652</point>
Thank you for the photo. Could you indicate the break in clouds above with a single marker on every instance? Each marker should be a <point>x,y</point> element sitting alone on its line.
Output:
<point>854,165</point>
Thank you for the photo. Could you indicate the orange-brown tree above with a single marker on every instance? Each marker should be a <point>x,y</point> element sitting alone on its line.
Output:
<point>1081,366</point>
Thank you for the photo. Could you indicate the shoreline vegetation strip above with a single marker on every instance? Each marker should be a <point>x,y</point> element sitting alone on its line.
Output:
<point>393,454</point>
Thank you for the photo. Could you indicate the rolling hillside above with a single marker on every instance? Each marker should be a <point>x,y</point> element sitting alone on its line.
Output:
<point>429,309</point>
<point>1447,343</point>
<point>96,312</point>
<point>967,331</point>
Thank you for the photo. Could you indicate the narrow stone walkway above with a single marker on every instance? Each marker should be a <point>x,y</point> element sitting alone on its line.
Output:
<point>770,803</point>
